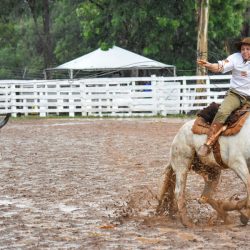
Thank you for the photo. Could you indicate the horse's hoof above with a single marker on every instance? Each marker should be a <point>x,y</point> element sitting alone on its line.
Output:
<point>244,219</point>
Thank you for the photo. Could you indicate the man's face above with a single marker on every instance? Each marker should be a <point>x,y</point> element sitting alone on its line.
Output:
<point>245,51</point>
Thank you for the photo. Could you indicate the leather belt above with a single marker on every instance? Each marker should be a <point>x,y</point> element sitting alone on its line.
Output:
<point>245,97</point>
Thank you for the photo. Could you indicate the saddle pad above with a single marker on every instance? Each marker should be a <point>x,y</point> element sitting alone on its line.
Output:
<point>200,126</point>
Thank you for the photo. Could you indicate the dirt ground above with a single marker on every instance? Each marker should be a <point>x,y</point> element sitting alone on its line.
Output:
<point>92,184</point>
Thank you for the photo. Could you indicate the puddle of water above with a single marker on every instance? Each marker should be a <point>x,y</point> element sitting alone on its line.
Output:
<point>67,209</point>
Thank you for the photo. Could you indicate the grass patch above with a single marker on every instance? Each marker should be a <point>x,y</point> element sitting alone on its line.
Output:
<point>37,117</point>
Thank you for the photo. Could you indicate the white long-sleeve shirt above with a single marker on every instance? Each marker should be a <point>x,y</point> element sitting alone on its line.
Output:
<point>240,80</point>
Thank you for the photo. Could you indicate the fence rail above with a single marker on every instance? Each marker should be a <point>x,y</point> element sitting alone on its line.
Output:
<point>141,96</point>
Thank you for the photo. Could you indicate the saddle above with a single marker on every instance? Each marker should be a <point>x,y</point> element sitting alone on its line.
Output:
<point>234,124</point>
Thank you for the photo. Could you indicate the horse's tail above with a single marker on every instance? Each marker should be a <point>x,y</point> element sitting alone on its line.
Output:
<point>166,197</point>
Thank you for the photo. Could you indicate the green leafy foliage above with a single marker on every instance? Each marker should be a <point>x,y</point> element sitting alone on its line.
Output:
<point>161,30</point>
<point>225,24</point>
<point>66,32</point>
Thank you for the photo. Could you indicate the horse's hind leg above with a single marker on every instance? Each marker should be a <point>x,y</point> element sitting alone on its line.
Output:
<point>181,178</point>
<point>174,185</point>
<point>166,195</point>
<point>182,156</point>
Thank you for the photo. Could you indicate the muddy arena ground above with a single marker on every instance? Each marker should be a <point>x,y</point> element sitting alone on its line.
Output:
<point>92,184</point>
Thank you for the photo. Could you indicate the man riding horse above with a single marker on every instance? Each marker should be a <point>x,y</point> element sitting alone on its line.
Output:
<point>237,95</point>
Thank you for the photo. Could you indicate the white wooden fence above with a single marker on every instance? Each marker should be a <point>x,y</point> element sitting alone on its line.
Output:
<point>145,96</point>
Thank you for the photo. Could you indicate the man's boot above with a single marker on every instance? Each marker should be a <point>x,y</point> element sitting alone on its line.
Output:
<point>214,132</point>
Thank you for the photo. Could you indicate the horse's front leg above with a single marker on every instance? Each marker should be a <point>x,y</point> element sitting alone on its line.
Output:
<point>240,167</point>
<point>245,213</point>
<point>219,207</point>
<point>222,207</point>
<point>211,184</point>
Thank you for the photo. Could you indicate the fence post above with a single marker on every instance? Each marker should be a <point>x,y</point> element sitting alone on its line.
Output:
<point>35,96</point>
<point>208,91</point>
<point>132,96</point>
<point>71,101</point>
<point>59,98</point>
<point>43,100</point>
<point>4,96</point>
<point>25,103</point>
<point>183,98</point>
<point>155,95</point>
<point>13,100</point>
<point>83,98</point>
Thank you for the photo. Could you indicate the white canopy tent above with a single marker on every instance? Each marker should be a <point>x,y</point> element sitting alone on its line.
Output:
<point>115,58</point>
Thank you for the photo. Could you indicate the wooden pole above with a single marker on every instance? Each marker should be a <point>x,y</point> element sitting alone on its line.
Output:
<point>202,36</point>
<point>202,39</point>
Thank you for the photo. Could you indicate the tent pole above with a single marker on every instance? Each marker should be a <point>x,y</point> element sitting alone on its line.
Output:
<point>174,71</point>
<point>71,73</point>
<point>45,74</point>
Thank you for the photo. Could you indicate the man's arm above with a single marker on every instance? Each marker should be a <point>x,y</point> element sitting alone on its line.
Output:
<point>214,67</point>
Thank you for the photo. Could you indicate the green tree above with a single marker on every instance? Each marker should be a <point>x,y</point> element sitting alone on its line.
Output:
<point>163,30</point>
<point>21,51</point>
<point>9,59</point>
<point>37,35</point>
<point>40,11</point>
<point>226,20</point>
<point>66,30</point>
